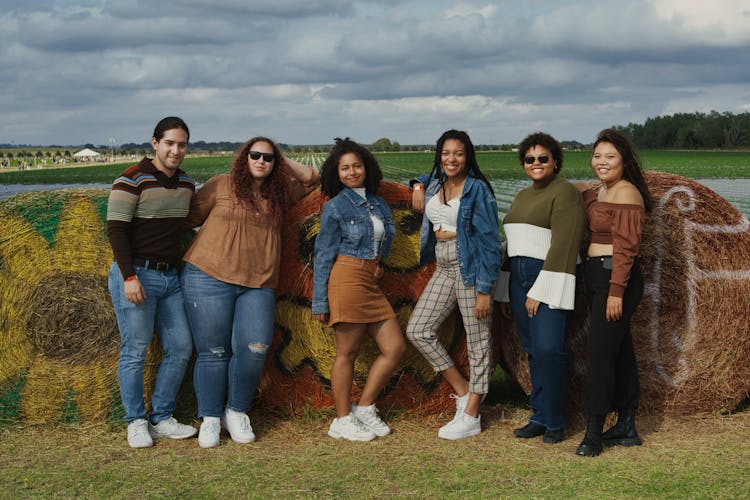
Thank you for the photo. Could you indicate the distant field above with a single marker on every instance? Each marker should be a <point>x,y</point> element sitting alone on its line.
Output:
<point>401,166</point>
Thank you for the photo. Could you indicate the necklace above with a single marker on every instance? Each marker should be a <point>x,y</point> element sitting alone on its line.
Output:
<point>451,187</point>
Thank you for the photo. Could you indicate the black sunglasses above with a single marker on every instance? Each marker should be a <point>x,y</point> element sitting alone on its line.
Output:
<point>267,157</point>
<point>529,160</point>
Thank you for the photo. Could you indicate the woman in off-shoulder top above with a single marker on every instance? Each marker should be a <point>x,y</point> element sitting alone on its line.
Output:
<point>615,206</point>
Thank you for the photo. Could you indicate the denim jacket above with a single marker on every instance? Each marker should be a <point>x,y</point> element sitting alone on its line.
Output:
<point>346,229</point>
<point>477,233</point>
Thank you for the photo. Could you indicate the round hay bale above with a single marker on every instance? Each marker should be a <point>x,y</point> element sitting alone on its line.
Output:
<point>58,334</point>
<point>298,372</point>
<point>692,328</point>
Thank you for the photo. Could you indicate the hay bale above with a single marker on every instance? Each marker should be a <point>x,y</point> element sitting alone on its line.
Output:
<point>58,333</point>
<point>692,329</point>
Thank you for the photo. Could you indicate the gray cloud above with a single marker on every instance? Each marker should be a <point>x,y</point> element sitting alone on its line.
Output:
<point>306,71</point>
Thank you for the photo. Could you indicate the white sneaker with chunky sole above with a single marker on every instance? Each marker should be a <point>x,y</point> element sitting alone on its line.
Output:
<point>350,428</point>
<point>208,437</point>
<point>172,429</point>
<point>462,426</point>
<point>368,415</point>
<point>238,425</point>
<point>138,436</point>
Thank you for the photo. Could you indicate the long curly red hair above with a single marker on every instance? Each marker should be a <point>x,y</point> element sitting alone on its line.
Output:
<point>274,188</point>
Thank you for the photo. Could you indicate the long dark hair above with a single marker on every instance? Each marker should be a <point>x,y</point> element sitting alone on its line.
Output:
<point>632,170</point>
<point>331,185</point>
<point>472,167</point>
<point>275,186</point>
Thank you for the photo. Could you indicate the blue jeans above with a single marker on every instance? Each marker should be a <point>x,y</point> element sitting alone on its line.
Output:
<point>164,309</point>
<point>232,329</point>
<point>543,339</point>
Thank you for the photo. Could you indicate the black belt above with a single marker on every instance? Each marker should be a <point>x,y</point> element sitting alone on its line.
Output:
<point>600,258</point>
<point>162,267</point>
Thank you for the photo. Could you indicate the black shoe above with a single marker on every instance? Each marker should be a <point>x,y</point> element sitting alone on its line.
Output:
<point>591,445</point>
<point>623,432</point>
<point>552,437</point>
<point>530,430</point>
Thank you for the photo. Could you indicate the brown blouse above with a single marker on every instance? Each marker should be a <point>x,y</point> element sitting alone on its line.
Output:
<point>234,244</point>
<point>619,225</point>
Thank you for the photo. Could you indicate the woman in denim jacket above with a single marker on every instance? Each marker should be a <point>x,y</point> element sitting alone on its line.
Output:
<point>460,230</point>
<point>356,232</point>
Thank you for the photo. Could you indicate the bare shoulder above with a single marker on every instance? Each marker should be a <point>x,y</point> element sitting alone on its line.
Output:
<point>627,194</point>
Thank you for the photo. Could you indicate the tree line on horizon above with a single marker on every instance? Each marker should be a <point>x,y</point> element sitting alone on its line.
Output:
<point>712,130</point>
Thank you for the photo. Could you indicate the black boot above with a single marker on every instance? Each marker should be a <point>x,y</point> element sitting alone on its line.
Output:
<point>591,445</point>
<point>623,432</point>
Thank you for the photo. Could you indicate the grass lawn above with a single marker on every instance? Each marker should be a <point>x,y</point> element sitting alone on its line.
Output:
<point>688,457</point>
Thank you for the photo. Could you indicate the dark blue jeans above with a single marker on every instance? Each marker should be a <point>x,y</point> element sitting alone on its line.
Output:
<point>232,329</point>
<point>543,339</point>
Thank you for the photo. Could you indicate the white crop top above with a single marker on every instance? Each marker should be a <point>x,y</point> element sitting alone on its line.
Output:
<point>378,227</point>
<point>444,217</point>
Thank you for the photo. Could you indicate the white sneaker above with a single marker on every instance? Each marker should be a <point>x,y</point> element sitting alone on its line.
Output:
<point>208,437</point>
<point>350,428</point>
<point>462,426</point>
<point>368,415</point>
<point>461,402</point>
<point>172,429</point>
<point>238,425</point>
<point>138,436</point>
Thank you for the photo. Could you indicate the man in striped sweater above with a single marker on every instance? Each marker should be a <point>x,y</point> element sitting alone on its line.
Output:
<point>147,206</point>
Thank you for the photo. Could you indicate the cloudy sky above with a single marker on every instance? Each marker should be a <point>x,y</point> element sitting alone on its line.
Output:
<point>305,71</point>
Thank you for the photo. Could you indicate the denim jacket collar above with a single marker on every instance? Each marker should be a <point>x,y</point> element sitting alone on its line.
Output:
<point>354,197</point>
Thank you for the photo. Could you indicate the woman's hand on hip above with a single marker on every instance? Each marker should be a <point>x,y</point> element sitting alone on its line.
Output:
<point>484,303</point>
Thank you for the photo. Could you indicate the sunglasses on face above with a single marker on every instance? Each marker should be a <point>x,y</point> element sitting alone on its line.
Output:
<point>267,157</point>
<point>529,160</point>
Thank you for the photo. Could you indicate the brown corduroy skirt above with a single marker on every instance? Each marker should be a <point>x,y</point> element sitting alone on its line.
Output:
<point>354,295</point>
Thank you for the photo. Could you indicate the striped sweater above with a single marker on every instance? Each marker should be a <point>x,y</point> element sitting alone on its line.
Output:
<point>548,223</point>
<point>145,215</point>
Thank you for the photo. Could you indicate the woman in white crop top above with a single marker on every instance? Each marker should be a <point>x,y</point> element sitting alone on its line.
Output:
<point>467,251</point>
<point>444,216</point>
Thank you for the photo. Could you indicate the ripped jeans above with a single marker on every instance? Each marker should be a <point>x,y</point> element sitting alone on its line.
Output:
<point>232,329</point>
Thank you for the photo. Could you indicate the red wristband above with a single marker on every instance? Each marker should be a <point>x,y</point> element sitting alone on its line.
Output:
<point>131,278</point>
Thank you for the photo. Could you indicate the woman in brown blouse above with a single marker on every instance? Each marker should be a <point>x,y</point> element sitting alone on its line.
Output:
<point>232,268</point>
<point>616,206</point>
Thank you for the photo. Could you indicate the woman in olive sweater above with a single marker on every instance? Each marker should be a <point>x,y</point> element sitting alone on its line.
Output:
<point>544,228</point>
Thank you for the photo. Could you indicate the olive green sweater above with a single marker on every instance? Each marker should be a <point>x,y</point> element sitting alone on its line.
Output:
<point>547,223</point>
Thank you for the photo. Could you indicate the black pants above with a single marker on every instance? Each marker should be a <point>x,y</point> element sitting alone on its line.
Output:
<point>612,378</point>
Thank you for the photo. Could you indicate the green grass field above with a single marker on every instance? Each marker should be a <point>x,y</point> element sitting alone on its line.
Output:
<point>401,166</point>
<point>690,457</point>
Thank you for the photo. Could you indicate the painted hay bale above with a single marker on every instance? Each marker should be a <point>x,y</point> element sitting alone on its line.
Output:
<point>692,329</point>
<point>58,333</point>
<point>298,372</point>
